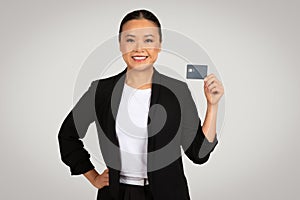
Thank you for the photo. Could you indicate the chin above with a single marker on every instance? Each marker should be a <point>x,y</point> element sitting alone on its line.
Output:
<point>140,67</point>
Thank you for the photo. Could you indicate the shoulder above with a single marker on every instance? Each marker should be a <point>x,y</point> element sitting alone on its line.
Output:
<point>108,82</point>
<point>108,79</point>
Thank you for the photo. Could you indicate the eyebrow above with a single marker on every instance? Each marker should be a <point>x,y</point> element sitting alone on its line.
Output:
<point>129,35</point>
<point>148,35</point>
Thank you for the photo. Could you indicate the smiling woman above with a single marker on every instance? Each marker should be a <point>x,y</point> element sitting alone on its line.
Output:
<point>140,44</point>
<point>133,95</point>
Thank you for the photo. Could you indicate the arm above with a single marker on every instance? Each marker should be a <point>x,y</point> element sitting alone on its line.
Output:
<point>213,90</point>
<point>73,129</point>
<point>197,141</point>
<point>209,125</point>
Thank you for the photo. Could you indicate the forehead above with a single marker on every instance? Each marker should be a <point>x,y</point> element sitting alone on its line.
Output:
<point>139,26</point>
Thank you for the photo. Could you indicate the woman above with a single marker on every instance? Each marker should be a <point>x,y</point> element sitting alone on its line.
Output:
<point>143,118</point>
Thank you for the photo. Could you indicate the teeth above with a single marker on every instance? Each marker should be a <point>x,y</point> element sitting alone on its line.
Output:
<point>139,57</point>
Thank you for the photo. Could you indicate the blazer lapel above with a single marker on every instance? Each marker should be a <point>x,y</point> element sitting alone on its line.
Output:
<point>156,83</point>
<point>116,94</point>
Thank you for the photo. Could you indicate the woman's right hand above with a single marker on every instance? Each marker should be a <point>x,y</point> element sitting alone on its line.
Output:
<point>101,180</point>
<point>96,179</point>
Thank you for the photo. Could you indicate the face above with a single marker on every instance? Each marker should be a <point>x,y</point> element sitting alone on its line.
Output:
<point>140,44</point>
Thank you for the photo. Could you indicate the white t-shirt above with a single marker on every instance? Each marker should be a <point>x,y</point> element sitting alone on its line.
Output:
<point>131,129</point>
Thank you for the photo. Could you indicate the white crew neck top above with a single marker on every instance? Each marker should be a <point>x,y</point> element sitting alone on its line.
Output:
<point>131,130</point>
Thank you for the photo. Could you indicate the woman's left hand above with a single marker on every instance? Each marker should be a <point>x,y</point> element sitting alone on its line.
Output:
<point>213,89</point>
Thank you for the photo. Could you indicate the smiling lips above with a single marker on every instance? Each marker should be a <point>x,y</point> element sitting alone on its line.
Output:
<point>139,58</point>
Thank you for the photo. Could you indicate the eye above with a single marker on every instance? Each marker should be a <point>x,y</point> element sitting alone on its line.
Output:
<point>149,41</point>
<point>129,40</point>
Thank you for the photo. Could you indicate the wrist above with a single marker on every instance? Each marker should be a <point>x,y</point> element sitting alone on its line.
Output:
<point>212,107</point>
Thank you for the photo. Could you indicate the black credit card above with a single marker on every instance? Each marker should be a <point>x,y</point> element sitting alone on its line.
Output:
<point>196,71</point>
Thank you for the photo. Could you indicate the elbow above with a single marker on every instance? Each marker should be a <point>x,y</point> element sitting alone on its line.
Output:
<point>201,160</point>
<point>196,157</point>
<point>201,156</point>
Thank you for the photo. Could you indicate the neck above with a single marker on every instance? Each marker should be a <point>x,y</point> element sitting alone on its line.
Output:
<point>141,79</point>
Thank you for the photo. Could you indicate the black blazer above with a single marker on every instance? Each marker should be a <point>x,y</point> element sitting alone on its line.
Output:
<point>173,122</point>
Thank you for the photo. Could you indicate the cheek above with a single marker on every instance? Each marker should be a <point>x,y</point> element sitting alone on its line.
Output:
<point>126,57</point>
<point>154,53</point>
<point>125,48</point>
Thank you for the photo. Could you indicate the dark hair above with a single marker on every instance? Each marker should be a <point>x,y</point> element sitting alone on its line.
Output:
<point>140,14</point>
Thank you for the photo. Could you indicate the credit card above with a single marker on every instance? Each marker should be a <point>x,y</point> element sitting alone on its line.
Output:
<point>196,71</point>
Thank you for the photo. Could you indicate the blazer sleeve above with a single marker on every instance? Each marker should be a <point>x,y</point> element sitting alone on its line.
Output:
<point>193,141</point>
<point>73,129</point>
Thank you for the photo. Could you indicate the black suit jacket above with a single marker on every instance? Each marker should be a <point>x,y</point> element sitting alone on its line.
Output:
<point>173,123</point>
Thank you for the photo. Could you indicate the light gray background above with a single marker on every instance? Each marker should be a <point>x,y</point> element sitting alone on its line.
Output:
<point>254,44</point>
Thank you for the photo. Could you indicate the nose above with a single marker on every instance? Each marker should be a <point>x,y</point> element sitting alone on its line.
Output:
<point>138,46</point>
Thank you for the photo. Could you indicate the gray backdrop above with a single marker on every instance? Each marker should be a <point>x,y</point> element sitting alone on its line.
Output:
<point>254,45</point>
